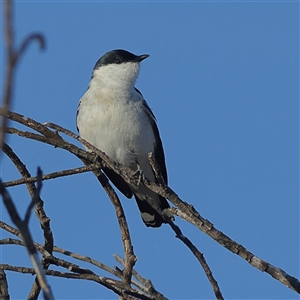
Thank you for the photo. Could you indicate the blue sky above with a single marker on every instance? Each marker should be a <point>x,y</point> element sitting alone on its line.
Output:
<point>223,82</point>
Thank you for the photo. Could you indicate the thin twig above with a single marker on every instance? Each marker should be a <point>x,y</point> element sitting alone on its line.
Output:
<point>13,58</point>
<point>156,169</point>
<point>147,286</point>
<point>55,140</point>
<point>10,229</point>
<point>38,37</point>
<point>54,175</point>
<point>35,197</point>
<point>7,94</point>
<point>50,258</point>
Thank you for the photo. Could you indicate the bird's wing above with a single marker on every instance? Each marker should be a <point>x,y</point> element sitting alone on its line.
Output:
<point>149,215</point>
<point>118,182</point>
<point>158,148</point>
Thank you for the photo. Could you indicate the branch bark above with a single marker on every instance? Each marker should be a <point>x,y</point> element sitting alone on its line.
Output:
<point>3,286</point>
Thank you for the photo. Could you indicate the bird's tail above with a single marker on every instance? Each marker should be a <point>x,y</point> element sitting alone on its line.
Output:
<point>150,216</point>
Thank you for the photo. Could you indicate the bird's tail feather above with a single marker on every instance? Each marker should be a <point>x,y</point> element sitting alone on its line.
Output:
<point>150,216</point>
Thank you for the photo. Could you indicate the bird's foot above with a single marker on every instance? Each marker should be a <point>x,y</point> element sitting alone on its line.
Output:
<point>169,213</point>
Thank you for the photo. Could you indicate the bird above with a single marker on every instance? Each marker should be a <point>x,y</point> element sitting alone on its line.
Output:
<point>114,117</point>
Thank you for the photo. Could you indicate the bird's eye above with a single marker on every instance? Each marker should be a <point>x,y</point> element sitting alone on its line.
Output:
<point>118,60</point>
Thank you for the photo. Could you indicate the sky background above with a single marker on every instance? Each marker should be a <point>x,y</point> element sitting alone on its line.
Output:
<point>223,82</point>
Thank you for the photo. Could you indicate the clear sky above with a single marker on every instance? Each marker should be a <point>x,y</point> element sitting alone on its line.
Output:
<point>223,82</point>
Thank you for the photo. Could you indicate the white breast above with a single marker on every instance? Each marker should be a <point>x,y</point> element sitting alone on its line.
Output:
<point>117,124</point>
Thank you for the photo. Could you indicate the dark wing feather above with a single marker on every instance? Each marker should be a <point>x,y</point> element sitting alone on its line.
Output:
<point>118,181</point>
<point>158,149</point>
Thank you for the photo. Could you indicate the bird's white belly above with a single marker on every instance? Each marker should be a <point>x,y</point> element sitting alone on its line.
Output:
<point>121,130</point>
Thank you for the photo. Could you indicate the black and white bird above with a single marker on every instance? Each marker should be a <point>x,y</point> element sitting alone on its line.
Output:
<point>114,117</point>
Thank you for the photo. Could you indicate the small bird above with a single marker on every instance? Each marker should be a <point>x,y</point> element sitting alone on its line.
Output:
<point>115,118</point>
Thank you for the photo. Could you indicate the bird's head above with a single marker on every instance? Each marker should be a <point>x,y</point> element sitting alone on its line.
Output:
<point>118,67</point>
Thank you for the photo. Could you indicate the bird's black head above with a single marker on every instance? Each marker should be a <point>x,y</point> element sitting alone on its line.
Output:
<point>119,56</point>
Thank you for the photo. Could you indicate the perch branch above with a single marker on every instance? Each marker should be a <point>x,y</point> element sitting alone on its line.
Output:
<point>207,227</point>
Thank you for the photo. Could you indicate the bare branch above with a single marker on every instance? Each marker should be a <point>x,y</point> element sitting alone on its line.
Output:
<point>88,260</point>
<point>128,249</point>
<point>50,258</point>
<point>188,210</point>
<point>3,286</point>
<point>35,197</point>
<point>39,210</point>
<point>31,38</point>
<point>146,285</point>
<point>117,286</point>
<point>9,37</point>
<point>54,140</point>
<point>22,226</point>
<point>207,227</point>
<point>203,224</point>
<point>54,175</point>
<point>60,262</point>
<point>130,258</point>
<point>10,229</point>
<point>180,235</point>
<point>156,169</point>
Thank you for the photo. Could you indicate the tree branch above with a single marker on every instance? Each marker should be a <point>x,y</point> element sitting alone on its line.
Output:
<point>116,286</point>
<point>3,286</point>
<point>39,210</point>
<point>53,175</point>
<point>57,141</point>
<point>145,286</point>
<point>23,228</point>
<point>188,210</point>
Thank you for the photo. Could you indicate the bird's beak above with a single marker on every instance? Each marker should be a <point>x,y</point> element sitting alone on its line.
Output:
<point>139,58</point>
